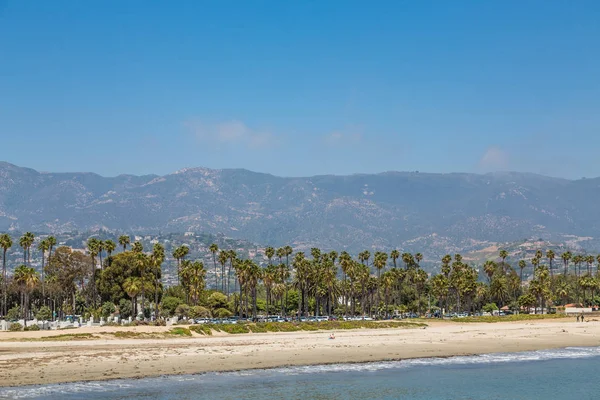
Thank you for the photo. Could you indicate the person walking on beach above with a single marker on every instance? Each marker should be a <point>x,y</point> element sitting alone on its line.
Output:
<point>577,317</point>
<point>582,316</point>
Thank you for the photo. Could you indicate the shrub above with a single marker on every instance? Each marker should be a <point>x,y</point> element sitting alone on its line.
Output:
<point>108,308</point>
<point>199,312</point>
<point>222,313</point>
<point>169,305</point>
<point>33,327</point>
<point>217,300</point>
<point>184,322</point>
<point>14,327</point>
<point>490,307</point>
<point>14,313</point>
<point>235,328</point>
<point>180,332</point>
<point>44,314</point>
<point>125,308</point>
<point>182,310</point>
<point>202,329</point>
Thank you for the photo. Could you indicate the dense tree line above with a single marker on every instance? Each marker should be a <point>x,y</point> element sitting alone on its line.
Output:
<point>102,281</point>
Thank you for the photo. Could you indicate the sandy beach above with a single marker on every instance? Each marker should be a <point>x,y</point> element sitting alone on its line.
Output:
<point>39,362</point>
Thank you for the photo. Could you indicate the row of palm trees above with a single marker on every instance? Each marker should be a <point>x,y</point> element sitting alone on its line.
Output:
<point>293,282</point>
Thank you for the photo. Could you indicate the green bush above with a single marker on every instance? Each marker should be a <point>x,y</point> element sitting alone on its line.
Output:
<point>235,328</point>
<point>182,310</point>
<point>125,308</point>
<point>15,326</point>
<point>222,313</point>
<point>490,307</point>
<point>202,329</point>
<point>199,312</point>
<point>13,314</point>
<point>169,305</point>
<point>217,300</point>
<point>180,332</point>
<point>32,328</point>
<point>108,308</point>
<point>43,314</point>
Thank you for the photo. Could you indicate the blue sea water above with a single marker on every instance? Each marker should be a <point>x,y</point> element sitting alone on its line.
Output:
<point>561,374</point>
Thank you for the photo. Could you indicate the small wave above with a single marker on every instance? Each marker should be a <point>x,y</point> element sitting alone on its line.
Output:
<point>122,385</point>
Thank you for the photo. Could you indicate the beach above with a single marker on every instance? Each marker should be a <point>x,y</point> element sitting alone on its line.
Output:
<point>25,359</point>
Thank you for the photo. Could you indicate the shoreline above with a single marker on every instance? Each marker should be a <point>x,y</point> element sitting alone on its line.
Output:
<point>24,363</point>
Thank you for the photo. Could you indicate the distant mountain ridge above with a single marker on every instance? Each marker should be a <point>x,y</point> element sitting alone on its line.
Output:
<point>390,209</point>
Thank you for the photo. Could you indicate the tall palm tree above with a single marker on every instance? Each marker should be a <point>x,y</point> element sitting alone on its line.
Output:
<point>5,243</point>
<point>26,278</point>
<point>223,257</point>
<point>550,256</point>
<point>418,258</point>
<point>522,265</point>
<point>93,245</point>
<point>232,255</point>
<point>132,286</point>
<point>214,249</point>
<point>270,252</point>
<point>109,246</point>
<point>157,258</point>
<point>566,257</point>
<point>26,241</point>
<point>51,240</point>
<point>43,246</point>
<point>124,241</point>
<point>379,262</point>
<point>137,247</point>
<point>394,255</point>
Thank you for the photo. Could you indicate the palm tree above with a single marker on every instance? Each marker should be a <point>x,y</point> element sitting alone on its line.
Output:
<point>408,259</point>
<point>364,256</point>
<point>43,246</point>
<point>100,250</point>
<point>232,255</point>
<point>132,286</point>
<point>522,265</point>
<point>26,278</point>
<point>137,247</point>
<point>157,258</point>
<point>109,246</point>
<point>550,256</point>
<point>26,241</point>
<point>93,246</point>
<point>124,241</point>
<point>394,255</point>
<point>223,257</point>
<point>51,240</point>
<point>5,243</point>
<point>418,258</point>
<point>214,249</point>
<point>379,262</point>
<point>270,252</point>
<point>566,257</point>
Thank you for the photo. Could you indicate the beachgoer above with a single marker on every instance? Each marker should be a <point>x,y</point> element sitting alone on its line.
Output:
<point>332,336</point>
<point>577,317</point>
<point>582,317</point>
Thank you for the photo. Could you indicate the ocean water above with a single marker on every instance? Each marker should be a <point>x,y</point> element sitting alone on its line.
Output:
<point>569,373</point>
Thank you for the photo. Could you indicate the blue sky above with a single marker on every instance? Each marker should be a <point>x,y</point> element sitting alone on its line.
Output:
<point>301,88</point>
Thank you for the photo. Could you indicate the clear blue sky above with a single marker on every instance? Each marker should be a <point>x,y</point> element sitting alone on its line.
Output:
<point>299,88</point>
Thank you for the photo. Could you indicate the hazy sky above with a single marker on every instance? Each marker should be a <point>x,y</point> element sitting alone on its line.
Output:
<point>301,87</point>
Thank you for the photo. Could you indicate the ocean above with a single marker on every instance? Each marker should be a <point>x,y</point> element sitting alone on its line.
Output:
<point>569,373</point>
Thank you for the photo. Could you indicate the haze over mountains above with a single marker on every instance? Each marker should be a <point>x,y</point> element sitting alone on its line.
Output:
<point>408,210</point>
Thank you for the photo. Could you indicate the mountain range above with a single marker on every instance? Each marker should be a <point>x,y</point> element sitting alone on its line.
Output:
<point>435,213</point>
